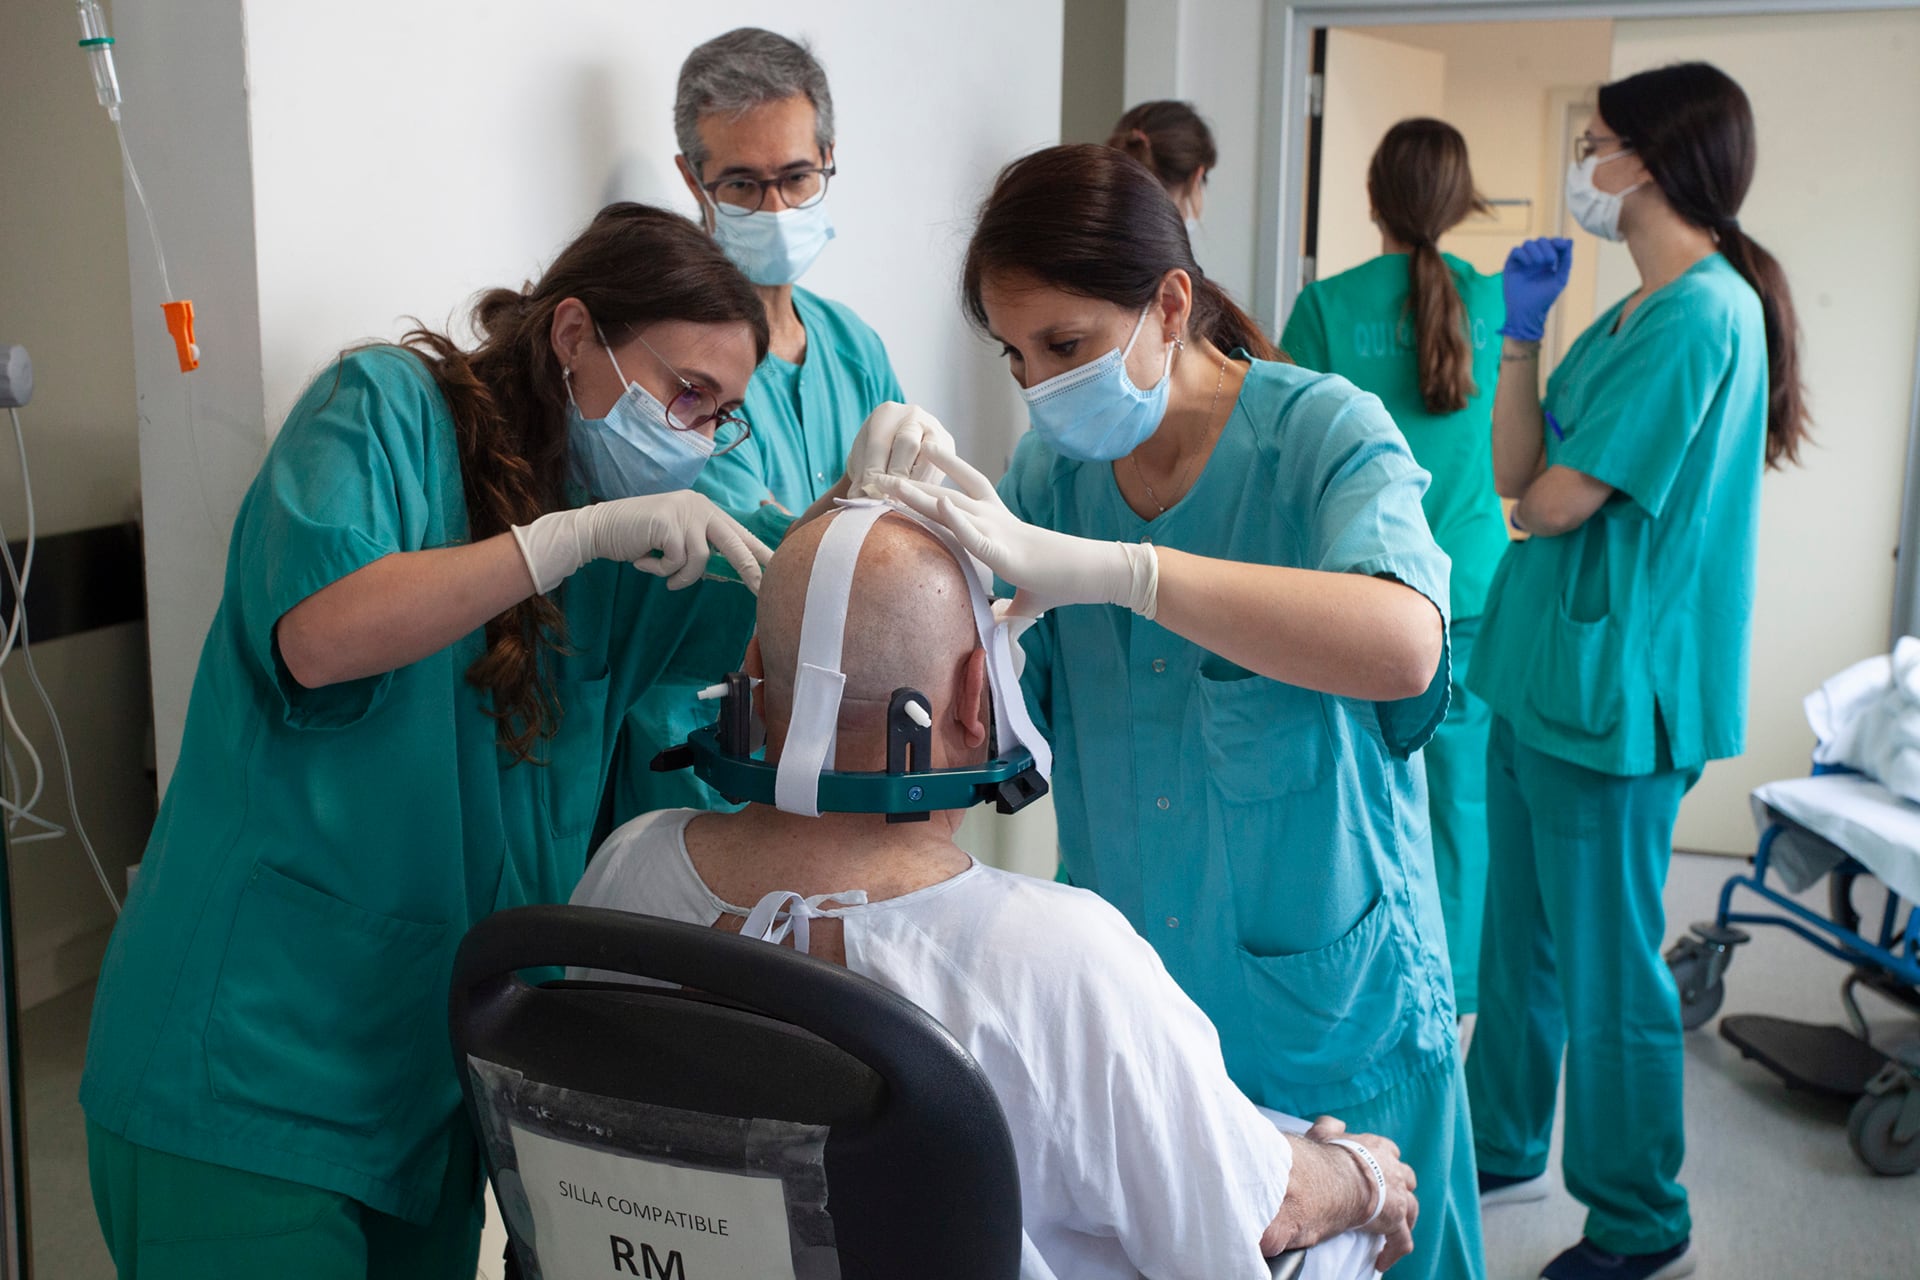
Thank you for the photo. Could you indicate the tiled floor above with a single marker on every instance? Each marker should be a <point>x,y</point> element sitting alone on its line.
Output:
<point>1776,1191</point>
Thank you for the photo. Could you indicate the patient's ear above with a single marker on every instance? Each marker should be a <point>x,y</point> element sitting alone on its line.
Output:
<point>753,664</point>
<point>970,702</point>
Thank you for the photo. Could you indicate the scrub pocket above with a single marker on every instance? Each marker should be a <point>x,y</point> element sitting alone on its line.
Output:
<point>576,758</point>
<point>1263,738</point>
<point>1268,758</point>
<point>324,1009</point>
<point>1329,1014</point>
<point>1577,683</point>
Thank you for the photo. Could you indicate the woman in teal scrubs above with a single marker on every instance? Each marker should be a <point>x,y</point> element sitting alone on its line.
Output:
<point>401,724</point>
<point>1417,328</point>
<point>1614,654</point>
<point>1234,743</point>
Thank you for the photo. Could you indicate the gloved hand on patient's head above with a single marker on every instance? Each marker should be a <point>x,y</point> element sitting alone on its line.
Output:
<point>895,440</point>
<point>1049,568</point>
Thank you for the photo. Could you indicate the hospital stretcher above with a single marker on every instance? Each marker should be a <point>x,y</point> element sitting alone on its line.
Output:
<point>1844,827</point>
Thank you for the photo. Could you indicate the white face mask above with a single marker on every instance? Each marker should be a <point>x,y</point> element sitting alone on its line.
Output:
<point>1597,211</point>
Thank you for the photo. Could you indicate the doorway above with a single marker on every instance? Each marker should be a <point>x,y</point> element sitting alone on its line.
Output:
<point>1831,201</point>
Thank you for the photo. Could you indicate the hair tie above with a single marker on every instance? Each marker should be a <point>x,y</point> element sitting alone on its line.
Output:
<point>1729,224</point>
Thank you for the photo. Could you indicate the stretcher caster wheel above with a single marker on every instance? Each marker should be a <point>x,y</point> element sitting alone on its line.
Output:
<point>1699,999</point>
<point>1699,965</point>
<point>1884,1127</point>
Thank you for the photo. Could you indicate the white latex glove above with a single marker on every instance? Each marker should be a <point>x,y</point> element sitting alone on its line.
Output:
<point>670,535</point>
<point>894,441</point>
<point>1049,568</point>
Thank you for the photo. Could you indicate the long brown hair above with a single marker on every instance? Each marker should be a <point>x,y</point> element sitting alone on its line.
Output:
<point>1421,188</point>
<point>1169,138</point>
<point>1692,127</point>
<point>632,267</point>
<point>1093,221</point>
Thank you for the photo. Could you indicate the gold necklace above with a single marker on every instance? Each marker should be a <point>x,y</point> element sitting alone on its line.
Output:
<point>1178,491</point>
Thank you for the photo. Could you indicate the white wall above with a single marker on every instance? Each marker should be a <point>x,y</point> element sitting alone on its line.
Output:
<point>64,296</point>
<point>397,175</point>
<point>184,75</point>
<point>1207,52</point>
<point>1838,181</point>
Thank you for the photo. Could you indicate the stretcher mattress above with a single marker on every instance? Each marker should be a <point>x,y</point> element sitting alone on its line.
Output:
<point>1855,813</point>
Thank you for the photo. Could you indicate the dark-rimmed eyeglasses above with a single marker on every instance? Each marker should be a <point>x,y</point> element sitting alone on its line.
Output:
<point>738,196</point>
<point>1588,145</point>
<point>695,407</point>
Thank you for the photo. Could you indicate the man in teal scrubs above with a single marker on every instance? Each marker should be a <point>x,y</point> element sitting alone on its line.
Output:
<point>1356,324</point>
<point>754,120</point>
<point>1614,659</point>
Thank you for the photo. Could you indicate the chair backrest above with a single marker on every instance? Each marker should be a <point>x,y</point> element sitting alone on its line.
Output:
<point>761,1062</point>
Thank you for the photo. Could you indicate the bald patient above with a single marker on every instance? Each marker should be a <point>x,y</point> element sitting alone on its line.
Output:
<point>1137,1154</point>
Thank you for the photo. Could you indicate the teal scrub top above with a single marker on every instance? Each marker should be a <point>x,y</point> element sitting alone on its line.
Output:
<point>1622,644</point>
<point>274,997</point>
<point>1271,842</point>
<point>804,419</point>
<point>1356,324</point>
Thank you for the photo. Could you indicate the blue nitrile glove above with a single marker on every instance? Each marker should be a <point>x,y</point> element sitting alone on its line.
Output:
<point>1535,274</point>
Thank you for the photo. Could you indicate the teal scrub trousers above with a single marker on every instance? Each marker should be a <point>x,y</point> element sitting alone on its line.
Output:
<point>1571,960</point>
<point>1424,1115</point>
<point>1456,758</point>
<point>166,1217</point>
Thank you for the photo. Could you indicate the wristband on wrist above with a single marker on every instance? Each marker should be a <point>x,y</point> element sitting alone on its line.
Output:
<point>1373,1167</point>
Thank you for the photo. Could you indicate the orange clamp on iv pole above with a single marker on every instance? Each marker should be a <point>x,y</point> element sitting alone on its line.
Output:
<point>180,325</point>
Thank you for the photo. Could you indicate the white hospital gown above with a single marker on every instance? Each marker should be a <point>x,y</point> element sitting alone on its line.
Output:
<point>1137,1155</point>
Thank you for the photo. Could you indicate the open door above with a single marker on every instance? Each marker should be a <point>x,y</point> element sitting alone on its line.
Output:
<point>1367,84</point>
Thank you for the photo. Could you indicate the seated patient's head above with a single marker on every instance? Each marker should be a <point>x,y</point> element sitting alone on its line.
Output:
<point>909,623</point>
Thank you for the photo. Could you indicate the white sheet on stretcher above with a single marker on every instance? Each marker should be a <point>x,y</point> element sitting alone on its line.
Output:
<point>1856,813</point>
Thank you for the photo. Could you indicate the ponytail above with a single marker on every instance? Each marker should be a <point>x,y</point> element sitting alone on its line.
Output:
<point>1787,416</point>
<point>1224,323</point>
<point>1692,127</point>
<point>1421,187</point>
<point>1443,355</point>
<point>1169,138</point>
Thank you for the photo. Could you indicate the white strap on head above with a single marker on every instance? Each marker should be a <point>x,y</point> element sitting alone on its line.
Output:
<point>819,683</point>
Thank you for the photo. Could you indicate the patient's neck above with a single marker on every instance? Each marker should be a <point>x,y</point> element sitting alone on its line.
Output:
<point>744,856</point>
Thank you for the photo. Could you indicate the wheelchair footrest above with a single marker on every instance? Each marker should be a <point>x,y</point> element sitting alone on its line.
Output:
<point>1830,1060</point>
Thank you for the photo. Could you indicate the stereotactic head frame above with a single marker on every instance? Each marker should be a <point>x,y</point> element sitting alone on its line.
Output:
<point>726,755</point>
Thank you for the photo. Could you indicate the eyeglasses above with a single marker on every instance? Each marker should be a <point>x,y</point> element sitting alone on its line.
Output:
<point>1587,145</point>
<point>696,406</point>
<point>737,197</point>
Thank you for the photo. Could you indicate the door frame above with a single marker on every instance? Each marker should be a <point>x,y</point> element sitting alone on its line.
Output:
<point>1287,89</point>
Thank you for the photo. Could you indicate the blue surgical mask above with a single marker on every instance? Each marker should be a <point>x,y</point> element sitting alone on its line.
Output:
<point>1095,413</point>
<point>774,248</point>
<point>1597,211</point>
<point>633,451</point>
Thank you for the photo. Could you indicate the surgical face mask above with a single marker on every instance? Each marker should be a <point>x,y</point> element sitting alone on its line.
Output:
<point>633,451</point>
<point>774,248</point>
<point>1597,211</point>
<point>1095,413</point>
